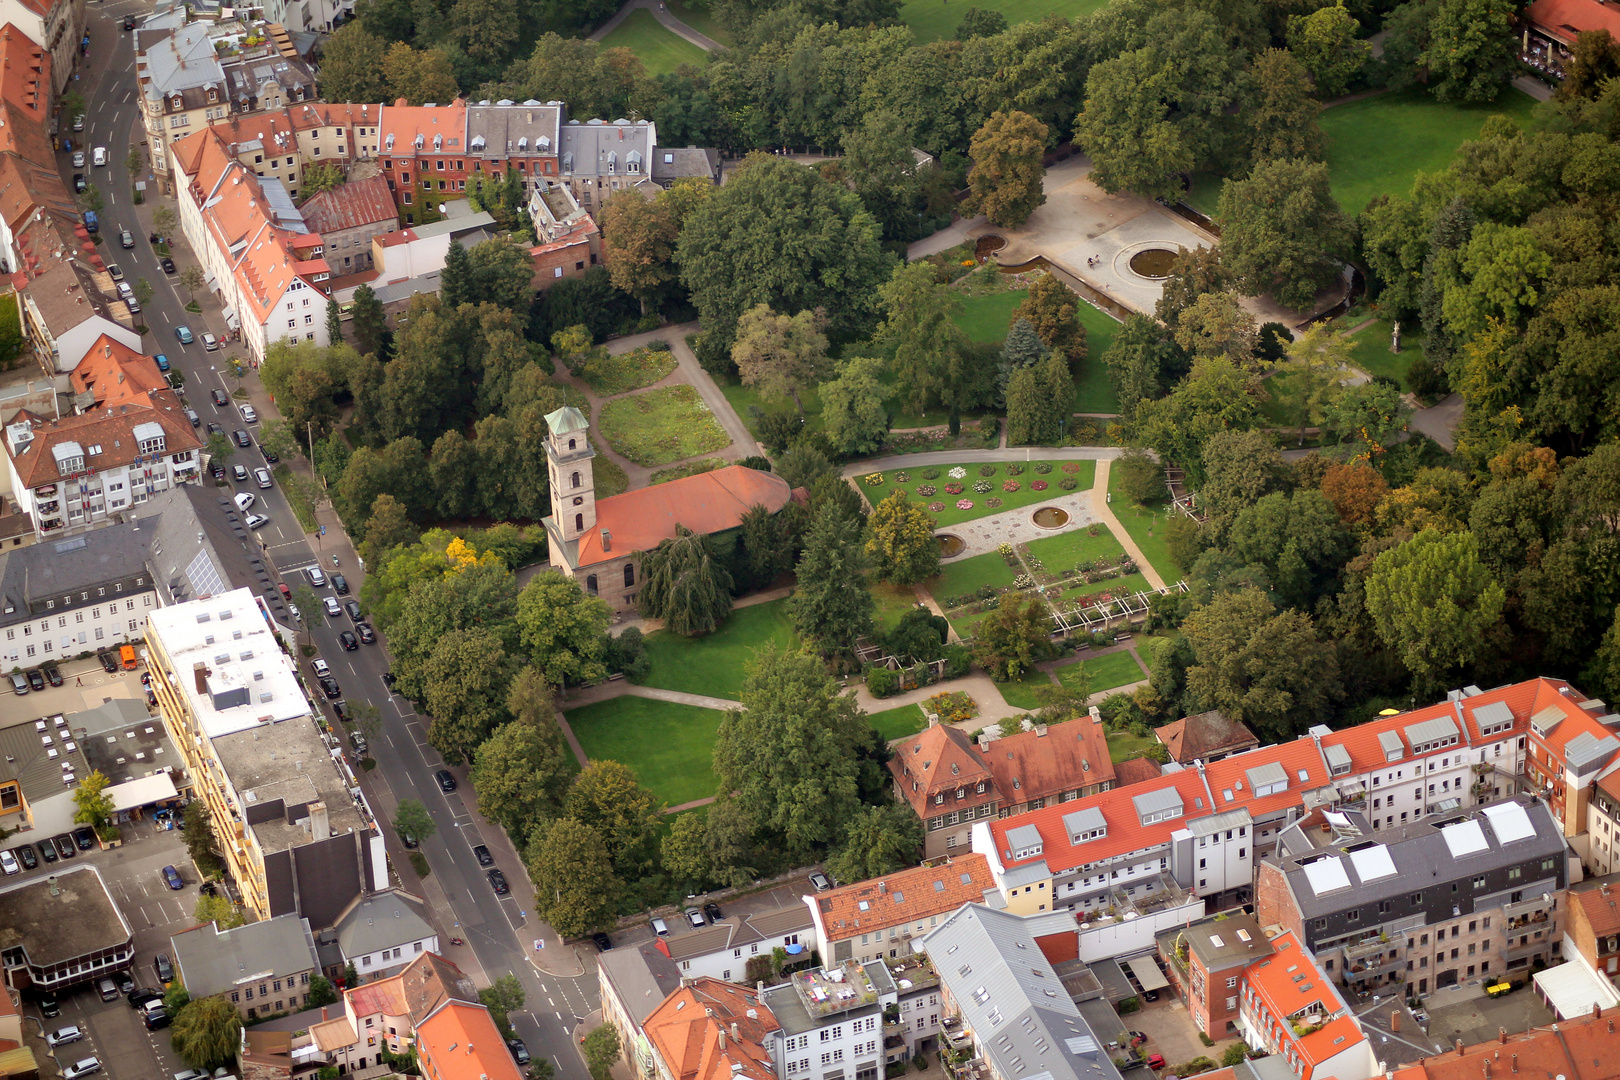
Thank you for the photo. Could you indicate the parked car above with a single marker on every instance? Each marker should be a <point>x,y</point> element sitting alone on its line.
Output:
<point>163,969</point>
<point>286,593</point>
<point>157,1018</point>
<point>481,853</point>
<point>52,674</point>
<point>19,683</point>
<point>269,455</point>
<point>256,521</point>
<point>368,636</point>
<point>126,985</point>
<point>25,855</point>
<point>241,439</point>
<point>331,605</point>
<point>64,845</point>
<point>214,429</point>
<point>85,837</point>
<point>340,585</point>
<point>36,681</point>
<point>183,335</point>
<point>216,470</point>
<point>64,1035</point>
<point>820,881</point>
<point>520,1053</point>
<point>82,1067</point>
<point>196,421</point>
<point>9,863</point>
<point>115,271</point>
<point>249,413</point>
<point>219,396</point>
<point>1155,1061</point>
<point>348,641</point>
<point>239,473</point>
<point>695,918</point>
<point>107,989</point>
<point>167,264</point>
<point>140,997</point>
<point>171,878</point>
<point>244,499</point>
<point>321,668</point>
<point>602,942</point>
<point>445,780</point>
<point>353,608</point>
<point>78,159</point>
<point>79,183</point>
<point>497,881</point>
<point>129,22</point>
<point>262,478</point>
<point>191,1074</point>
<point>330,688</point>
<point>659,927</point>
<point>109,662</point>
<point>210,342</point>
<point>78,122</point>
<point>48,1006</point>
<point>47,851</point>
<point>711,911</point>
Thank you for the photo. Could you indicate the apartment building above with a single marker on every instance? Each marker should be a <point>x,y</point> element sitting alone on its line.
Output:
<point>1592,928</point>
<point>261,968</point>
<point>287,815</point>
<point>459,1040</point>
<point>872,920</point>
<point>1290,1009</point>
<point>1206,736</point>
<point>1206,961</point>
<point>635,980</point>
<point>567,240</point>
<point>381,932</point>
<point>1580,1049</point>
<point>1272,785</point>
<point>1477,892</point>
<point>348,218</point>
<point>76,472</point>
<point>950,781</point>
<point>723,949</point>
<point>55,26</point>
<point>1602,840</point>
<point>711,1030</point>
<point>58,600</point>
<point>1007,1009</point>
<point>829,1022</point>
<point>112,374</point>
<point>383,1014</point>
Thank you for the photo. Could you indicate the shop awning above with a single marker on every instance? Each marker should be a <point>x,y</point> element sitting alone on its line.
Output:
<point>1147,973</point>
<point>143,792</point>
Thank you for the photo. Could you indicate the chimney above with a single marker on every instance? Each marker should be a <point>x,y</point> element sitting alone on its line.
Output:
<point>1395,1021</point>
<point>722,1039</point>
<point>1515,1062</point>
<point>319,828</point>
<point>607,540</point>
<point>1487,1069</point>
<point>1501,1035</point>
<point>736,1032</point>
<point>1459,1048</point>
<point>200,671</point>
<point>1597,1011</point>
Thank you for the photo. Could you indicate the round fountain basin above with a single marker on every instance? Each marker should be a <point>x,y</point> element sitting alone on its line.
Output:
<point>951,546</point>
<point>1154,263</point>
<point>1050,517</point>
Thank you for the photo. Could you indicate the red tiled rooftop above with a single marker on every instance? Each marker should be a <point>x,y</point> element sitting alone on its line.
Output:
<point>710,502</point>
<point>1229,784</point>
<point>907,896</point>
<point>1126,833</point>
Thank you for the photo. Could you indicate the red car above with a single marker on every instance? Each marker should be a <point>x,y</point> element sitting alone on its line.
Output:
<point>1155,1061</point>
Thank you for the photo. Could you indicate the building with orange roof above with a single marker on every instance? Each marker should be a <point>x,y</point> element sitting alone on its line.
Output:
<point>348,217</point>
<point>567,240</point>
<point>1206,736</point>
<point>712,1030</point>
<point>78,471</point>
<point>112,373</point>
<point>871,920</point>
<point>459,1041</point>
<point>599,542</point>
<point>1288,1007</point>
<point>1592,928</point>
<point>1548,29</point>
<point>260,257</point>
<point>1450,898</point>
<point>949,780</point>
<point>383,1014</point>
<point>1571,741</point>
<point>56,26</point>
<point>423,152</point>
<point>1577,1049</point>
<point>1602,838</point>
<point>1272,784</point>
<point>1130,850</point>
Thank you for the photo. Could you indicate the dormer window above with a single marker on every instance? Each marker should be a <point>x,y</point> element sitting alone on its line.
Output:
<point>176,103</point>
<point>213,95</point>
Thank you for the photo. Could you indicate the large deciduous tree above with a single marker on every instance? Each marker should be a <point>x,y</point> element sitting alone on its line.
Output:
<point>684,583</point>
<point>853,416</point>
<point>563,629</point>
<point>351,65</point>
<point>607,796</point>
<point>1433,600</point>
<point>1281,120</point>
<point>791,753</point>
<point>1014,637</point>
<point>465,679</point>
<point>523,770</point>
<point>780,355</point>
<point>831,606</point>
<point>1052,309</point>
<point>1472,51</point>
<point>929,344</point>
<point>1325,43</point>
<point>1282,231</point>
<point>207,1032</point>
<point>1005,181</point>
<point>878,840</point>
<point>411,818</point>
<point>823,247</point>
<point>575,889</point>
<point>638,245</point>
<point>900,541</point>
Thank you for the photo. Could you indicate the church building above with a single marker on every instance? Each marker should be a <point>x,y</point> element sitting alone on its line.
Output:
<point>599,541</point>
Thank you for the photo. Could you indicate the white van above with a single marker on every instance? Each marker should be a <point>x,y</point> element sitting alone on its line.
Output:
<point>243,500</point>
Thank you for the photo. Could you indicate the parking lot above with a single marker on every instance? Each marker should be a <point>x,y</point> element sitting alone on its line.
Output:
<point>113,1031</point>
<point>84,686</point>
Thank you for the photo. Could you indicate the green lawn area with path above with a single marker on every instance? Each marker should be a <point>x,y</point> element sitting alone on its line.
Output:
<point>717,664</point>
<point>893,601</point>
<point>1020,693</point>
<point>897,723</point>
<point>1067,550</point>
<point>1106,671</point>
<point>691,468</point>
<point>932,22</point>
<point>660,50</point>
<point>670,746</point>
<point>1146,526</point>
<point>1026,495</point>
<point>985,318</point>
<point>621,373</point>
<point>661,426</point>
<point>970,575</point>
<point>1372,350</point>
<point>702,20</point>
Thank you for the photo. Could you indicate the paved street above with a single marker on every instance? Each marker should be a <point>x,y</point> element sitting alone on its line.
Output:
<point>500,934</point>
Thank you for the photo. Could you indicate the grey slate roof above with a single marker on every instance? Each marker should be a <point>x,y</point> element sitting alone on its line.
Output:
<point>1157,800</point>
<point>1082,821</point>
<point>497,129</point>
<point>641,976</point>
<point>1586,751</point>
<point>1218,943</point>
<point>1391,742</point>
<point>1013,1001</point>
<point>1429,730</point>
<point>598,148</point>
<point>672,163</point>
<point>382,920</point>
<point>66,567</point>
<point>212,961</point>
<point>1420,852</point>
<point>123,729</point>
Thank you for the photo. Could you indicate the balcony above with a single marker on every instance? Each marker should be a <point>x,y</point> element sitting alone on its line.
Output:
<point>1374,967</point>
<point>1535,905</point>
<point>1368,947</point>
<point>916,972</point>
<point>1528,949</point>
<point>1483,768</point>
<point>955,1035</point>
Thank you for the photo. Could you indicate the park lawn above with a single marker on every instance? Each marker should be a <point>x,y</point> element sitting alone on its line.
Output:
<point>716,664</point>
<point>1378,145</point>
<point>670,746</point>
<point>701,20</point>
<point>745,400</point>
<point>1205,196</point>
<point>1122,745</point>
<point>623,372</point>
<point>1020,693</point>
<point>1026,495</point>
<point>893,601</point>
<point>1373,356</point>
<point>985,318</point>
<point>660,50</point>
<point>932,22</point>
<point>1068,550</point>
<point>661,426</point>
<point>1093,390</point>
<point>970,575</point>
<point>1106,672</point>
<point>897,723</point>
<point>1146,526</point>
<point>609,475</point>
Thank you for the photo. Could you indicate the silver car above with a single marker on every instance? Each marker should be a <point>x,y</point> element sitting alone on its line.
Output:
<point>80,1068</point>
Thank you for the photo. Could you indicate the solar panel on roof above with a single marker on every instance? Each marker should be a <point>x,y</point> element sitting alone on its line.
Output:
<point>1372,863</point>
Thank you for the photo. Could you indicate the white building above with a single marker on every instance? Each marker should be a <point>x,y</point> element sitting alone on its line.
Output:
<point>384,931</point>
<point>723,949</point>
<point>831,1022</point>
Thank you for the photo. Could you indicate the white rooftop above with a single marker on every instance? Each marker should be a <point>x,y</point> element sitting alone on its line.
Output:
<point>1465,838</point>
<point>1509,822</point>
<point>1374,862</point>
<point>227,663</point>
<point>1326,875</point>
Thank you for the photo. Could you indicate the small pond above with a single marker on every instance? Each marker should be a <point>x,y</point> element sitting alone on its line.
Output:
<point>1153,262</point>
<point>951,546</point>
<point>1050,517</point>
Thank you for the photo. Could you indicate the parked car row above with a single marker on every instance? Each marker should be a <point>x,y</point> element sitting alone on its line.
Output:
<point>65,846</point>
<point>35,678</point>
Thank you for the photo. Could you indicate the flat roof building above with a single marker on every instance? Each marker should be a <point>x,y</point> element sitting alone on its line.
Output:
<point>62,930</point>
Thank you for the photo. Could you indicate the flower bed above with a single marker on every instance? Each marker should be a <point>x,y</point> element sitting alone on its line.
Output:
<point>982,486</point>
<point>1038,485</point>
<point>964,504</point>
<point>953,707</point>
<point>925,490</point>
<point>1072,467</point>
<point>964,482</point>
<point>902,477</point>
<point>873,479</point>
<point>958,473</point>
<point>936,508</point>
<point>953,489</point>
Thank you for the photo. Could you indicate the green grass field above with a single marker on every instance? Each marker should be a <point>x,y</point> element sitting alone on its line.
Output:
<point>969,575</point>
<point>1122,745</point>
<point>1106,672</point>
<point>985,318</point>
<point>1068,550</point>
<point>1026,495</point>
<point>671,747</point>
<point>660,51</point>
<point>897,723</point>
<point>623,372</point>
<point>893,601</point>
<point>1373,356</point>
<point>1020,693</point>
<point>701,20</point>
<point>717,664</point>
<point>931,21</point>
<point>661,426</point>
<point>1378,145</point>
<point>1146,526</point>
<point>1093,392</point>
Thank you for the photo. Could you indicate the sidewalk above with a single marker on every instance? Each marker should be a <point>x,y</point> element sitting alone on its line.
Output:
<point>669,22</point>
<point>1105,514</point>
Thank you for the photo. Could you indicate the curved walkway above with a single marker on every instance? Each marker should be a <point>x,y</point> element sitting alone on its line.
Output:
<point>668,21</point>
